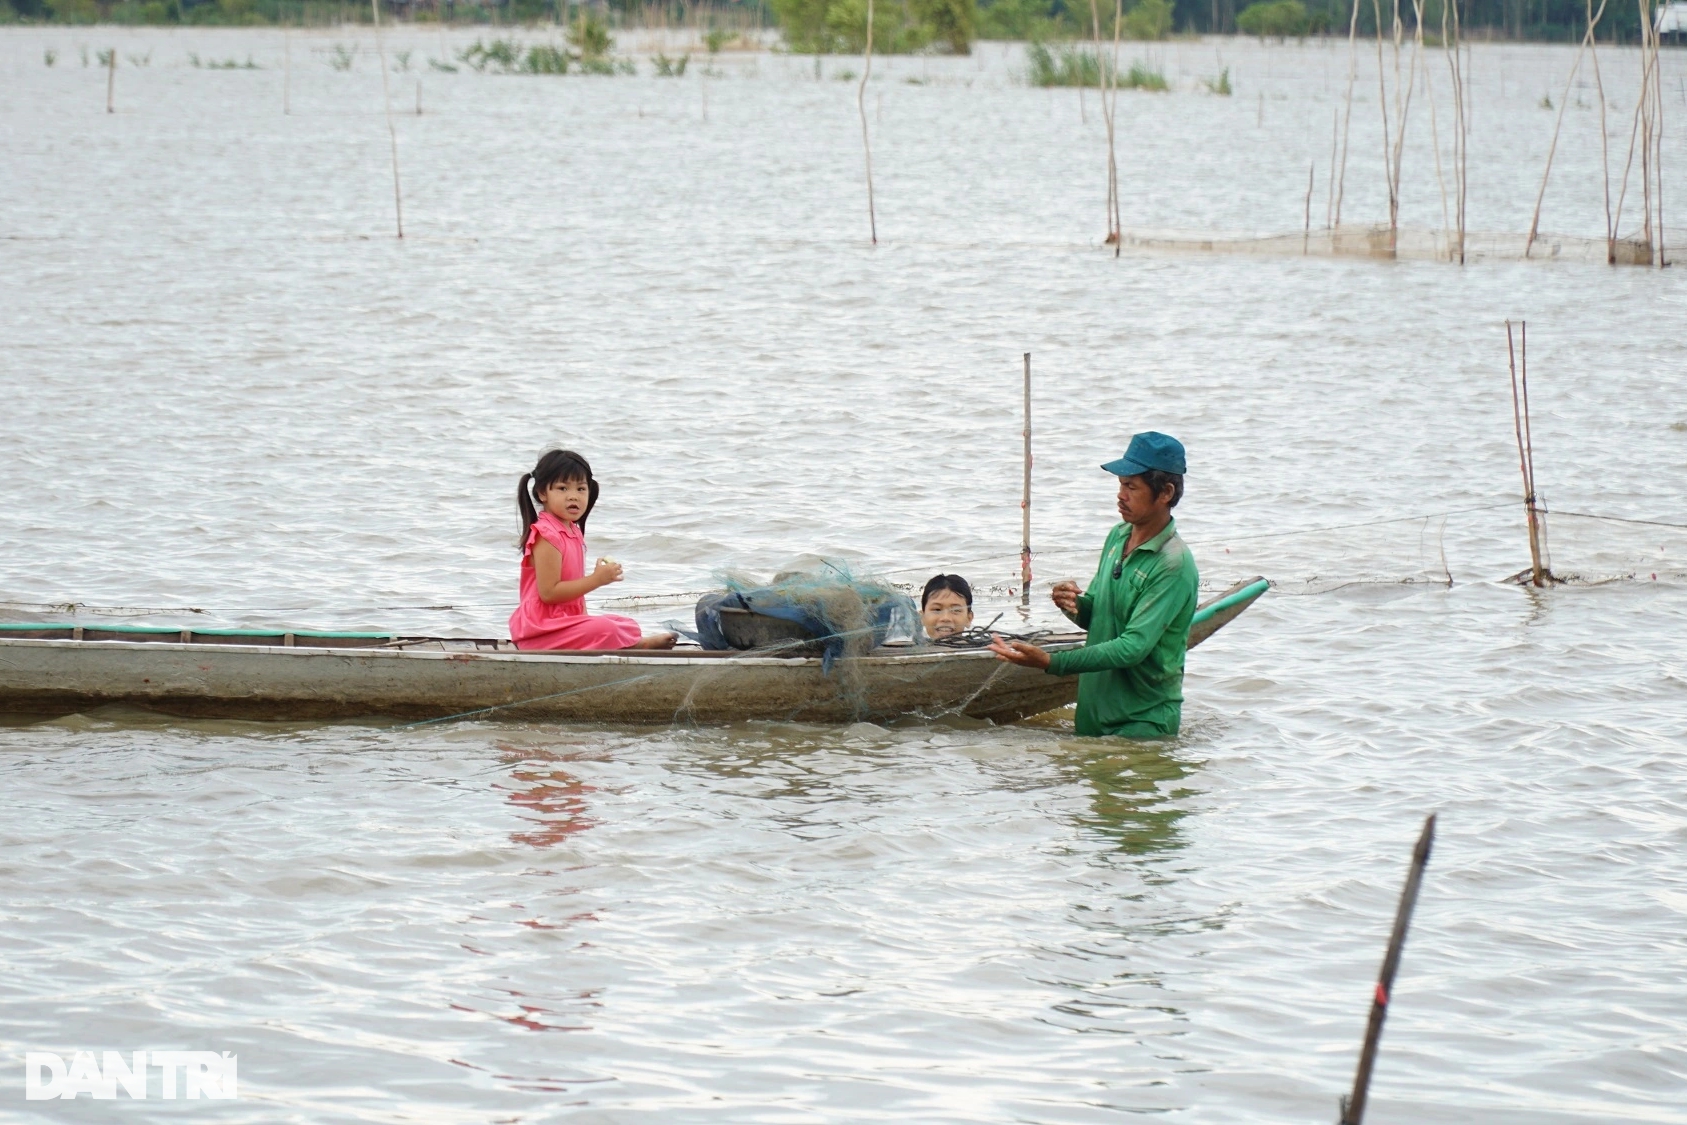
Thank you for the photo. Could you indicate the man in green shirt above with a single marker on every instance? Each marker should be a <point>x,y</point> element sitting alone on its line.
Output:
<point>1137,610</point>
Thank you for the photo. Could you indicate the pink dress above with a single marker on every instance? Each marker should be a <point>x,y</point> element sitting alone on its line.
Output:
<point>564,624</point>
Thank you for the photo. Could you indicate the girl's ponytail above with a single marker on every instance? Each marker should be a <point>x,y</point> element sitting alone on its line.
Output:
<point>524,505</point>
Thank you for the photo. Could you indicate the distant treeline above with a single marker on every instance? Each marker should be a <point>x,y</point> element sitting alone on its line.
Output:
<point>1552,20</point>
<point>899,25</point>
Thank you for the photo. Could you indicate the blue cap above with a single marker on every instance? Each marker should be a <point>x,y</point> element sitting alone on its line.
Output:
<point>1149,451</point>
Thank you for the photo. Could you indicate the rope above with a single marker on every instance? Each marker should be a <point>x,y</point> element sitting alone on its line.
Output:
<point>1620,519</point>
<point>1364,523</point>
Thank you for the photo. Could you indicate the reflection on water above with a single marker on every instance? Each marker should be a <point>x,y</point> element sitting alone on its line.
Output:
<point>548,794</point>
<point>1135,800</point>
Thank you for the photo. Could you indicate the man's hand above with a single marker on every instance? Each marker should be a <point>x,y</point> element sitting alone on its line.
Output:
<point>1022,653</point>
<point>1065,596</point>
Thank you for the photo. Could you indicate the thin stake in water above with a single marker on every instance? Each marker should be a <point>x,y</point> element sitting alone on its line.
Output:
<point>1541,575</point>
<point>1353,1105</point>
<point>1025,501</point>
<point>861,107</point>
<point>111,81</point>
<point>392,132</point>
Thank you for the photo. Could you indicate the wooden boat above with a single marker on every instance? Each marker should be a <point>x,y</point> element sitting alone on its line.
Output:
<point>253,674</point>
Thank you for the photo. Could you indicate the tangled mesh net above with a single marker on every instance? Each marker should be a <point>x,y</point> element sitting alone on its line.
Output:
<point>815,604</point>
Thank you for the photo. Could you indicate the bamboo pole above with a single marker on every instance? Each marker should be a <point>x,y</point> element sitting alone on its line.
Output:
<point>1112,118</point>
<point>1658,137</point>
<point>1647,73</point>
<point>861,107</point>
<point>1353,1105</point>
<point>1330,183</point>
<point>1633,133</point>
<point>1564,103</point>
<point>1434,126</point>
<point>1306,229</point>
<point>392,132</point>
<point>1461,122</point>
<point>1403,106</point>
<point>286,71</point>
<point>1095,29</point>
<point>1604,145</point>
<point>1347,116</point>
<point>1540,576</point>
<point>111,80</point>
<point>1382,104</point>
<point>1025,500</point>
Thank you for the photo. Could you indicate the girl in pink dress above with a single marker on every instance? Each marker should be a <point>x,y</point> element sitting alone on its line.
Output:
<point>554,582</point>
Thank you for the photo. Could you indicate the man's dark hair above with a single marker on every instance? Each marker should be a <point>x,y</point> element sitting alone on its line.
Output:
<point>1157,482</point>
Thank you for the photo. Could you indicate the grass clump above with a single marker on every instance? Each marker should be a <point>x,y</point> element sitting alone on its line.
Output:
<point>590,36</point>
<point>226,64</point>
<point>545,59</point>
<point>1066,66</point>
<point>670,68</point>
<point>49,56</point>
<point>1219,85</point>
<point>1082,66</point>
<point>1141,76</point>
<point>339,58</point>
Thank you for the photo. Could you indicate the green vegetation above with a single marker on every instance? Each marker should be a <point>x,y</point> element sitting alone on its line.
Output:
<point>1082,66</point>
<point>341,58</point>
<point>212,64</point>
<point>1150,19</point>
<point>1069,66</point>
<point>1141,76</point>
<point>1219,85</point>
<point>49,56</point>
<point>590,36</point>
<point>838,25</point>
<point>1275,18</point>
<point>670,68</point>
<point>510,56</point>
<point>545,59</point>
<point>825,27</point>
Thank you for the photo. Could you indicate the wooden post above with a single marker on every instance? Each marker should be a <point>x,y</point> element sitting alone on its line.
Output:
<point>1025,500</point>
<point>392,133</point>
<point>1353,1105</point>
<point>1306,229</point>
<point>861,107</point>
<point>111,81</point>
<point>286,71</point>
<point>1525,447</point>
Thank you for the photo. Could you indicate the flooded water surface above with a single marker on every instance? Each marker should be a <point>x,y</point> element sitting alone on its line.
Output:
<point>233,398</point>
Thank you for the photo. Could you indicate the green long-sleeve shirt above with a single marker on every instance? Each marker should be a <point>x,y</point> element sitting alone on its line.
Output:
<point>1130,670</point>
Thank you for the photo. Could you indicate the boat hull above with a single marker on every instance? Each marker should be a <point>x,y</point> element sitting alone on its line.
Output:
<point>61,669</point>
<point>274,682</point>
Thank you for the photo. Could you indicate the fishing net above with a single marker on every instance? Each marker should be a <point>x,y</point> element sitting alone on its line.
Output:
<point>814,606</point>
